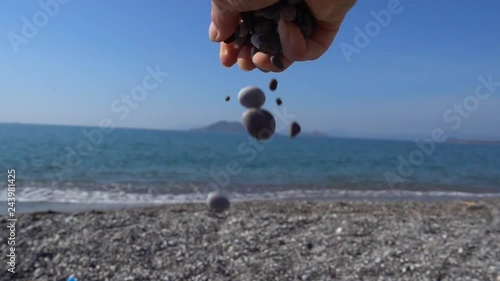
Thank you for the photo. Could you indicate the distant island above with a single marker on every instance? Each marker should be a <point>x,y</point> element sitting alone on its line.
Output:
<point>223,127</point>
<point>237,127</point>
<point>317,134</point>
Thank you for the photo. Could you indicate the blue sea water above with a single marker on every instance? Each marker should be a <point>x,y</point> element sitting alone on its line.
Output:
<point>85,165</point>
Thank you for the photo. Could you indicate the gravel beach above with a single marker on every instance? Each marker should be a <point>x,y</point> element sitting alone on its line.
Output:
<point>278,240</point>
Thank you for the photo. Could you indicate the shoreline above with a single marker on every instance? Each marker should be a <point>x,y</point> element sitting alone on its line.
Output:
<point>265,240</point>
<point>33,207</point>
<point>326,195</point>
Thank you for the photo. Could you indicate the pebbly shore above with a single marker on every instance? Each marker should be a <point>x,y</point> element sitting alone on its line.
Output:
<point>279,240</point>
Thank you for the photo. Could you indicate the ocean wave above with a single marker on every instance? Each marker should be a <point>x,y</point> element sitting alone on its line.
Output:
<point>79,196</point>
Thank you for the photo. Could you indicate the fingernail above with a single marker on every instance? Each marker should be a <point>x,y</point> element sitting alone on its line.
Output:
<point>213,32</point>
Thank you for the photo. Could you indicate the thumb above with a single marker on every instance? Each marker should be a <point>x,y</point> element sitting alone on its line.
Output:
<point>225,20</point>
<point>226,16</point>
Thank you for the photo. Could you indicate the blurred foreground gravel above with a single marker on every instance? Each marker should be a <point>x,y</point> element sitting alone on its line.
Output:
<point>285,240</point>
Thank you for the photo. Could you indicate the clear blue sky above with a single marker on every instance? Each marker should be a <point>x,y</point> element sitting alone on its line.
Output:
<point>92,52</point>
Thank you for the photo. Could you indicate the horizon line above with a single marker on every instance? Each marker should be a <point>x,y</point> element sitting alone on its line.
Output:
<point>191,129</point>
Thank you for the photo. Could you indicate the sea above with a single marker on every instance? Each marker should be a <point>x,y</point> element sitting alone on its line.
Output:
<point>63,168</point>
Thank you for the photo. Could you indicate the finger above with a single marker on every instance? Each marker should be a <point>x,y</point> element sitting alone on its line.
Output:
<point>330,11</point>
<point>263,61</point>
<point>224,22</point>
<point>319,41</point>
<point>226,15</point>
<point>244,5</point>
<point>228,54</point>
<point>244,59</point>
<point>292,41</point>
<point>329,19</point>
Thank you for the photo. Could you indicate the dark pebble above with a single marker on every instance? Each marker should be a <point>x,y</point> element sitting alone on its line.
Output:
<point>268,42</point>
<point>243,30</point>
<point>259,123</point>
<point>304,19</point>
<point>277,61</point>
<point>273,85</point>
<point>278,101</point>
<point>308,25</point>
<point>248,19</point>
<point>259,29</point>
<point>240,40</point>
<point>294,129</point>
<point>265,26</point>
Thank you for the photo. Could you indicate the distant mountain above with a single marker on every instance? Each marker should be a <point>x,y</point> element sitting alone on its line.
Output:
<point>237,127</point>
<point>317,134</point>
<point>223,127</point>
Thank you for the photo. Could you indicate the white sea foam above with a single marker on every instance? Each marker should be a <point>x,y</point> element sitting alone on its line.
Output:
<point>80,196</point>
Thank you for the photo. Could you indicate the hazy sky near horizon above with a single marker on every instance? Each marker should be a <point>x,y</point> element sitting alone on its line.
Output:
<point>406,80</point>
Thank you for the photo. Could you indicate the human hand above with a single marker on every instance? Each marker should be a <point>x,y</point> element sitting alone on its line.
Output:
<point>329,15</point>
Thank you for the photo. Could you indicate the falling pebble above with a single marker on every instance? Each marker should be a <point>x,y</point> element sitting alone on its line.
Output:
<point>228,98</point>
<point>294,129</point>
<point>218,202</point>
<point>259,123</point>
<point>251,97</point>
<point>273,85</point>
<point>279,101</point>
